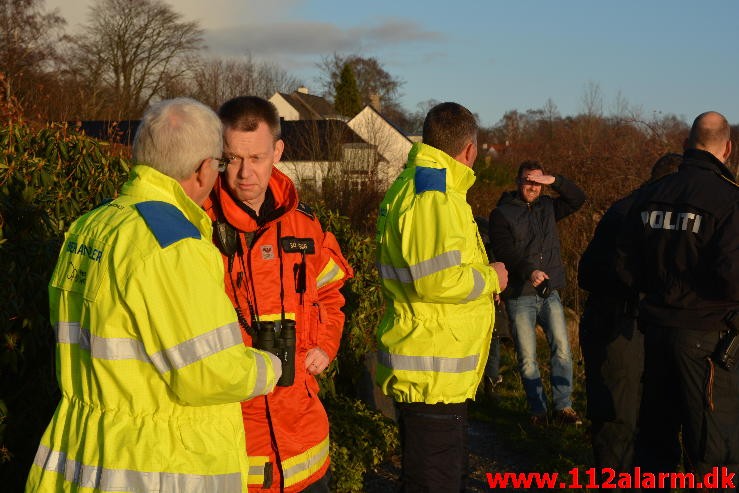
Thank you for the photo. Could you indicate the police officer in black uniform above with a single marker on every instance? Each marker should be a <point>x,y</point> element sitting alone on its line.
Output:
<point>610,339</point>
<point>680,248</point>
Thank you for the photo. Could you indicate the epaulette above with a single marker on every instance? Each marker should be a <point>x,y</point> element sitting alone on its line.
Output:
<point>305,209</point>
<point>168,224</point>
<point>728,180</point>
<point>430,179</point>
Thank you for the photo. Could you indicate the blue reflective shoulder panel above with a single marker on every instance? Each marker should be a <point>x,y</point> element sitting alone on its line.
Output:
<point>430,179</point>
<point>167,222</point>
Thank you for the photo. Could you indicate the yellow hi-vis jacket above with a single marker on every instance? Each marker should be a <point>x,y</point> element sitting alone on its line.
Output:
<point>150,359</point>
<point>435,335</point>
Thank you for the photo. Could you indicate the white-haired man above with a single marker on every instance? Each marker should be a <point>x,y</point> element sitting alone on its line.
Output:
<point>149,354</point>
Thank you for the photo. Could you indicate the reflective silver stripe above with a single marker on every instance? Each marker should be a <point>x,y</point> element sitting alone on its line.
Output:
<point>428,363</point>
<point>107,479</point>
<point>477,287</point>
<point>314,461</point>
<point>256,471</point>
<point>179,356</point>
<point>260,385</point>
<point>197,348</point>
<point>402,274</point>
<point>323,280</point>
<point>110,348</point>
<point>72,333</point>
<point>421,269</point>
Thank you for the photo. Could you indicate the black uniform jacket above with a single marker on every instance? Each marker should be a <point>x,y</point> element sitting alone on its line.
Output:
<point>524,236</point>
<point>680,245</point>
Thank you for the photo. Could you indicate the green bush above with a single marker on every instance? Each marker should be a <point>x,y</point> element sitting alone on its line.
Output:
<point>48,177</point>
<point>360,439</point>
<point>364,303</point>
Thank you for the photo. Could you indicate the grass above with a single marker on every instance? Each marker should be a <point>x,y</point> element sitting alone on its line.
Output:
<point>555,448</point>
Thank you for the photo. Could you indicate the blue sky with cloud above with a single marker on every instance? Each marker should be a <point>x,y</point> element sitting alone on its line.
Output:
<point>659,56</point>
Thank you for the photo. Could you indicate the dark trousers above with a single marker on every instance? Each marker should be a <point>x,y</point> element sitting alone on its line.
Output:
<point>613,349</point>
<point>683,388</point>
<point>320,486</point>
<point>433,439</point>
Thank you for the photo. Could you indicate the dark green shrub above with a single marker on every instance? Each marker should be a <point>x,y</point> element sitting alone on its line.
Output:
<point>360,439</point>
<point>364,304</point>
<point>48,177</point>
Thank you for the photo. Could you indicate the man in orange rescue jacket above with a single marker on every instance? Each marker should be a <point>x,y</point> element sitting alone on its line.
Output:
<point>283,275</point>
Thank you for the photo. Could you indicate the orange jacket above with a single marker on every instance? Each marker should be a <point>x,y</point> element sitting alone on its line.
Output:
<point>286,431</point>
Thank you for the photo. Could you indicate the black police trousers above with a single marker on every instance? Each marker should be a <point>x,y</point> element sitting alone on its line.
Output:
<point>684,389</point>
<point>434,443</point>
<point>613,350</point>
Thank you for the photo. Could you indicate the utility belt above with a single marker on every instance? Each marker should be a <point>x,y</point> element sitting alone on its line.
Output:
<point>727,349</point>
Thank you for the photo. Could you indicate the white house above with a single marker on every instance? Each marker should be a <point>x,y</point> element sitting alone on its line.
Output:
<point>320,150</point>
<point>301,105</point>
<point>391,143</point>
<point>372,148</point>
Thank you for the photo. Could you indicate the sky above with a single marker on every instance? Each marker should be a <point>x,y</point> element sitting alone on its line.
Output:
<point>659,57</point>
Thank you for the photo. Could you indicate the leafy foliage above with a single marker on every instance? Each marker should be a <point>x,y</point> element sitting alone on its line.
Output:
<point>360,438</point>
<point>48,177</point>
<point>347,100</point>
<point>364,303</point>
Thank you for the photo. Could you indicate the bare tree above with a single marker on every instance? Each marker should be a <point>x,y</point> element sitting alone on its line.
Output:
<point>130,49</point>
<point>215,80</point>
<point>28,39</point>
<point>373,81</point>
<point>592,100</point>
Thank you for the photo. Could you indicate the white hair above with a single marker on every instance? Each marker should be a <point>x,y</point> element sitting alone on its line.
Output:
<point>176,135</point>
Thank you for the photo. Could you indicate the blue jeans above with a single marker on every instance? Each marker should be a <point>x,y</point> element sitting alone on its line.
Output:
<point>524,312</point>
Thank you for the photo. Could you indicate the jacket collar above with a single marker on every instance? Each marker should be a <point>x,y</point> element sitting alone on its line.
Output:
<point>704,159</point>
<point>147,183</point>
<point>285,200</point>
<point>512,197</point>
<point>459,177</point>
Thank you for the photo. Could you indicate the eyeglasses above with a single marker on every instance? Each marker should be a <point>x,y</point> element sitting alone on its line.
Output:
<point>223,162</point>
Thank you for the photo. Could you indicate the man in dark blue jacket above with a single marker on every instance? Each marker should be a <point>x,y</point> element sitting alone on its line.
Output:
<point>680,248</point>
<point>523,234</point>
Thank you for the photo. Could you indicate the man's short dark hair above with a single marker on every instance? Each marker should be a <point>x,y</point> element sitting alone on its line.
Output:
<point>528,166</point>
<point>448,127</point>
<point>665,165</point>
<point>244,113</point>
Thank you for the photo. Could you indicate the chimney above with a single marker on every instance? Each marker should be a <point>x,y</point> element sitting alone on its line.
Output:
<point>375,101</point>
<point>303,90</point>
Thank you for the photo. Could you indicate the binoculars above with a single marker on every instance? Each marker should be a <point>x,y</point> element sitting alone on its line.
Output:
<point>279,339</point>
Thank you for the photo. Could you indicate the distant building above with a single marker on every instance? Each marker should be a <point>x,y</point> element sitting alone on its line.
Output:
<point>391,143</point>
<point>320,150</point>
<point>301,105</point>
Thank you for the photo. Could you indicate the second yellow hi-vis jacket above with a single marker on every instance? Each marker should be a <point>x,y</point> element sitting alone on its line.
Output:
<point>149,355</point>
<point>435,334</point>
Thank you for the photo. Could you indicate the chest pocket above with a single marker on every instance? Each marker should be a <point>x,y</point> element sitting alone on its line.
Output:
<point>79,269</point>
